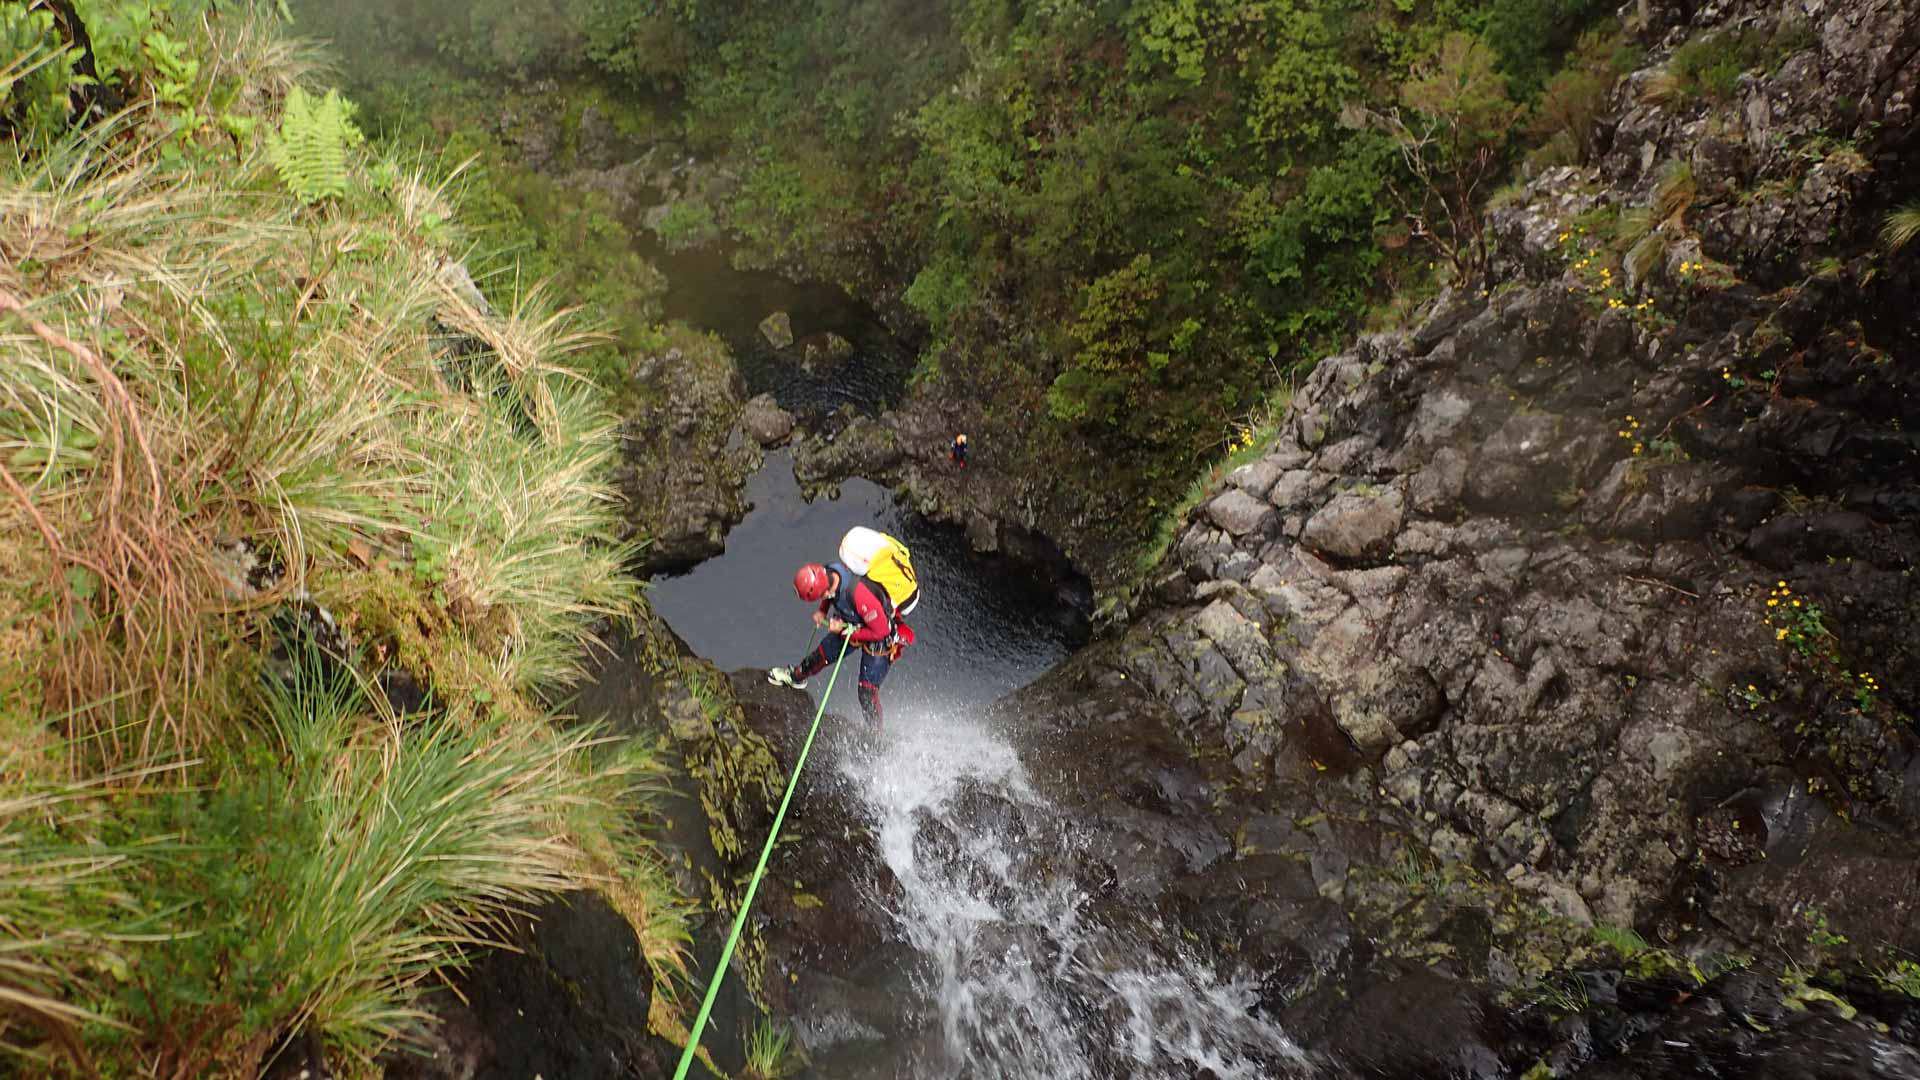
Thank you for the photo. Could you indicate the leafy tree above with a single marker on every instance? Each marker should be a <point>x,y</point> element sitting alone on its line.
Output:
<point>1299,89</point>
<point>1453,131</point>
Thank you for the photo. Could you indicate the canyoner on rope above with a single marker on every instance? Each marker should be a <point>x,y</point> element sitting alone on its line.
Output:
<point>863,596</point>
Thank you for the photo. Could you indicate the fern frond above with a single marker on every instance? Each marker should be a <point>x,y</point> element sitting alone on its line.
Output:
<point>309,151</point>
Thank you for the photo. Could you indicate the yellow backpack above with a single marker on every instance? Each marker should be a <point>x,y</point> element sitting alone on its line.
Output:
<point>893,570</point>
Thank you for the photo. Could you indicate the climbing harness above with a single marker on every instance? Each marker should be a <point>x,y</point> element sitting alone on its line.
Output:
<point>753,885</point>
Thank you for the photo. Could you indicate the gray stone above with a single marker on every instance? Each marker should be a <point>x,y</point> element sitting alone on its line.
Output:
<point>1257,478</point>
<point>1440,415</point>
<point>766,422</point>
<point>1522,467</point>
<point>1388,703</point>
<point>1214,679</point>
<point>1346,457</point>
<point>1297,486</point>
<point>1356,525</point>
<point>1239,638</point>
<point>777,328</point>
<point>1438,487</point>
<point>1238,566</point>
<point>1240,513</point>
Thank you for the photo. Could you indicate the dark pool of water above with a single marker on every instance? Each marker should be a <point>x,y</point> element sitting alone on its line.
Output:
<point>706,291</point>
<point>984,627</point>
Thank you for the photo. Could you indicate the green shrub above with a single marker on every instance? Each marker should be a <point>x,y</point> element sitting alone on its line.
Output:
<point>329,871</point>
<point>1711,65</point>
<point>35,74</point>
<point>275,383</point>
<point>687,223</point>
<point>1571,106</point>
<point>1529,36</point>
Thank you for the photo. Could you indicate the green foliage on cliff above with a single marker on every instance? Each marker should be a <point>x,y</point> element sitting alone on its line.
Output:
<point>264,449</point>
<point>1129,216</point>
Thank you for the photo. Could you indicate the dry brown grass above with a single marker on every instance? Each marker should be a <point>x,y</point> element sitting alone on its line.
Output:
<point>129,576</point>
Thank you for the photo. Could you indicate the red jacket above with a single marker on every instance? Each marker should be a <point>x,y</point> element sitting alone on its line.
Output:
<point>875,627</point>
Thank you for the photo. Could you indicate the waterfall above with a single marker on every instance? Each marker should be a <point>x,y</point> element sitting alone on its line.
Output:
<point>1024,981</point>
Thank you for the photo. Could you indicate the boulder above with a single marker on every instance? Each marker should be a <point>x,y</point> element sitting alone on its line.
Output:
<point>1388,702</point>
<point>1257,478</point>
<point>765,421</point>
<point>1240,513</point>
<point>1356,526</point>
<point>571,999</point>
<point>777,328</point>
<point>821,352</point>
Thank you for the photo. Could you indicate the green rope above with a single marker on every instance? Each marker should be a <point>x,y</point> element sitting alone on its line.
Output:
<point>753,886</point>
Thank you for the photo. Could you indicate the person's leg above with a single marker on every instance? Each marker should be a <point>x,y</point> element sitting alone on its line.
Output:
<point>873,672</point>
<point>818,659</point>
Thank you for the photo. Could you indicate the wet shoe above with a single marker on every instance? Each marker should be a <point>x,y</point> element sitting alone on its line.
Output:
<point>781,676</point>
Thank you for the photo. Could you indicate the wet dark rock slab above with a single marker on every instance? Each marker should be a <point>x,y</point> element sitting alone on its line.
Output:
<point>571,1001</point>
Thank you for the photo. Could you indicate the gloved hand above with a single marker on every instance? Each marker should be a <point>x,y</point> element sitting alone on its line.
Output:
<point>844,629</point>
<point>819,618</point>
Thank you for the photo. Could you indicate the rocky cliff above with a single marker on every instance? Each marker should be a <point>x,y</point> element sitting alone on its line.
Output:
<point>1602,580</point>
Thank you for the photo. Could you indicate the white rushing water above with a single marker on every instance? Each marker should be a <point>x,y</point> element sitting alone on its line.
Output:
<point>1026,984</point>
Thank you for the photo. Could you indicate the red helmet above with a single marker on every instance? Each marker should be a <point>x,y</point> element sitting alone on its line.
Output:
<point>810,582</point>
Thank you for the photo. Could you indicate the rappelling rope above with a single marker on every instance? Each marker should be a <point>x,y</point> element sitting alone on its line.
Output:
<point>753,885</point>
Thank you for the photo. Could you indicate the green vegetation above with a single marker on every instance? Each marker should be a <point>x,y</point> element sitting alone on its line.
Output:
<point>1710,65</point>
<point>309,152</point>
<point>770,1053</point>
<point>1900,227</point>
<point>263,448</point>
<point>1184,196</point>
<point>1126,218</point>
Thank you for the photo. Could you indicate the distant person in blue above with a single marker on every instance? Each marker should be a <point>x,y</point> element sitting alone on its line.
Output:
<point>959,453</point>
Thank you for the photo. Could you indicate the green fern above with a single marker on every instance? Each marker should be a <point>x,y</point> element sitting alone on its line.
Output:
<point>310,149</point>
<point>1901,227</point>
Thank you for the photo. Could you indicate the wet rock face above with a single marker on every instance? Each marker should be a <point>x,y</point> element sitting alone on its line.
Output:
<point>571,1002</point>
<point>830,954</point>
<point>687,450</point>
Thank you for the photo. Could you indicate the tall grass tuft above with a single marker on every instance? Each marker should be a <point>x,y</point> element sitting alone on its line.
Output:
<point>332,867</point>
<point>422,842</point>
<point>1900,227</point>
<point>203,376</point>
<point>1255,434</point>
<point>57,880</point>
<point>770,1053</point>
<point>220,363</point>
